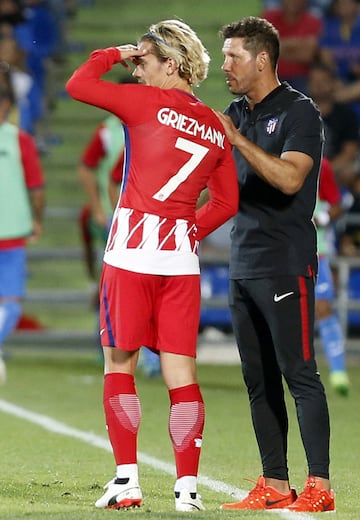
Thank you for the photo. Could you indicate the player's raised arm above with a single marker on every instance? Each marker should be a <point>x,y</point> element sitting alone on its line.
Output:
<point>85,84</point>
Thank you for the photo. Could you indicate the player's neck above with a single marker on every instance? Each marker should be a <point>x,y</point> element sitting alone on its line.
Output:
<point>179,84</point>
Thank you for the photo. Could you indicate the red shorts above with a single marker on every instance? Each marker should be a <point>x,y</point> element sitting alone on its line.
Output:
<point>157,311</point>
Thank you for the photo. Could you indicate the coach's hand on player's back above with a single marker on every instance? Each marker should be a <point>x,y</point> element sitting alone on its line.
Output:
<point>232,133</point>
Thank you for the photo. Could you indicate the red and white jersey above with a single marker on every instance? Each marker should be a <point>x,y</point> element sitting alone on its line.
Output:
<point>329,190</point>
<point>175,147</point>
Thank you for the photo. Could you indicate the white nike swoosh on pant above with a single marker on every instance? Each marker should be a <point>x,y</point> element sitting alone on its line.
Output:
<point>282,296</point>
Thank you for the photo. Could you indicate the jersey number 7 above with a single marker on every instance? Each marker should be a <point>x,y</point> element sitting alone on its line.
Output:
<point>197,152</point>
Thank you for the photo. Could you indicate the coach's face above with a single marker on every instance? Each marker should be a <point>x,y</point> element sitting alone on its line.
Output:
<point>240,66</point>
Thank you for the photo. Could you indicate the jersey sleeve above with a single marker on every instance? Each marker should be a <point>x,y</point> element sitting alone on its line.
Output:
<point>224,198</point>
<point>303,127</point>
<point>94,150</point>
<point>85,85</point>
<point>33,172</point>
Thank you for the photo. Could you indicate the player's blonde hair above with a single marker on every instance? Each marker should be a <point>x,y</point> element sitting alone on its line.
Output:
<point>175,39</point>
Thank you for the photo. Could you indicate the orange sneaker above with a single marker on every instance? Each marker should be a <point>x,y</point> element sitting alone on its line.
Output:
<point>314,498</point>
<point>263,497</point>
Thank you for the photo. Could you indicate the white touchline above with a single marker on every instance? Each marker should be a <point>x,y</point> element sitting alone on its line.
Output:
<point>55,426</point>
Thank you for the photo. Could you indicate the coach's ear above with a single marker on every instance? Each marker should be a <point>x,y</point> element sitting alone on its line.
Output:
<point>261,60</point>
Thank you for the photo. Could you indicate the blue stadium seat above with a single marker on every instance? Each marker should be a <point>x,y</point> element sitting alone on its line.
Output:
<point>214,292</point>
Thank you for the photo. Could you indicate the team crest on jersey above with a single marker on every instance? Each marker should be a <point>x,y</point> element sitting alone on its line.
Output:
<point>271,125</point>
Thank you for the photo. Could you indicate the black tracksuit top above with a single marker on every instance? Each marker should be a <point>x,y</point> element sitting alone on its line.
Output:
<point>273,233</point>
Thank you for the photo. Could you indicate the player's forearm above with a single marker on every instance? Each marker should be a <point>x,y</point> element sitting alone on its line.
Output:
<point>215,213</point>
<point>37,202</point>
<point>85,84</point>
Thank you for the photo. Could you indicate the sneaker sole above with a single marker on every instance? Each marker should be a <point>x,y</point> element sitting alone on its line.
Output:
<point>126,503</point>
<point>187,508</point>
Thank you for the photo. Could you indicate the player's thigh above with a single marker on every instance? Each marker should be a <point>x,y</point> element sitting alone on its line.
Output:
<point>126,306</point>
<point>13,272</point>
<point>177,314</point>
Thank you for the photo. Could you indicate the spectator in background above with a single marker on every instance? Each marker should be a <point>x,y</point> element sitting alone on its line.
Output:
<point>21,210</point>
<point>27,95</point>
<point>349,240</point>
<point>328,209</point>
<point>340,42</point>
<point>317,7</point>
<point>34,29</point>
<point>340,123</point>
<point>5,80</point>
<point>299,32</point>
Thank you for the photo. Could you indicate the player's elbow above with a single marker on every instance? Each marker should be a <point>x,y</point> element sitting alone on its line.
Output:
<point>291,185</point>
<point>69,86</point>
<point>72,88</point>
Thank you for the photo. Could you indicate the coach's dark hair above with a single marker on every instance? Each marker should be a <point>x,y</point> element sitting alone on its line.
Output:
<point>258,34</point>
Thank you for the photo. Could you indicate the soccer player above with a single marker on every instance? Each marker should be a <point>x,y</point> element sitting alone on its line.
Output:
<point>150,287</point>
<point>277,138</point>
<point>328,208</point>
<point>22,204</point>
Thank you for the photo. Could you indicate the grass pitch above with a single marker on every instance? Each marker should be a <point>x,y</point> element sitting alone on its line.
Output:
<point>56,475</point>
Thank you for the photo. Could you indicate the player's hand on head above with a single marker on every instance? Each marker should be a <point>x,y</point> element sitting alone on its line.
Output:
<point>130,53</point>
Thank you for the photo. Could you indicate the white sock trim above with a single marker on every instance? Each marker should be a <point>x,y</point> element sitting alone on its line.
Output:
<point>128,471</point>
<point>188,482</point>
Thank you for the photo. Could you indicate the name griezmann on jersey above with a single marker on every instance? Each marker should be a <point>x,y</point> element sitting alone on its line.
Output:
<point>190,126</point>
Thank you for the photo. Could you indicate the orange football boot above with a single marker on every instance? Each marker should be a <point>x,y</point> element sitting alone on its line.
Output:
<point>263,497</point>
<point>314,498</point>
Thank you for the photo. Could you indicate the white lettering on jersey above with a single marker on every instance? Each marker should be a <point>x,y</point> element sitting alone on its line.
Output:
<point>190,126</point>
<point>197,153</point>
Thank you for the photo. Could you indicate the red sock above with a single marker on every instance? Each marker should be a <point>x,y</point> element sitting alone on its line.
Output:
<point>123,415</point>
<point>186,425</point>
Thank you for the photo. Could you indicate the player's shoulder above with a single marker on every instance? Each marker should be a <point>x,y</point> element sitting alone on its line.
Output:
<point>194,108</point>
